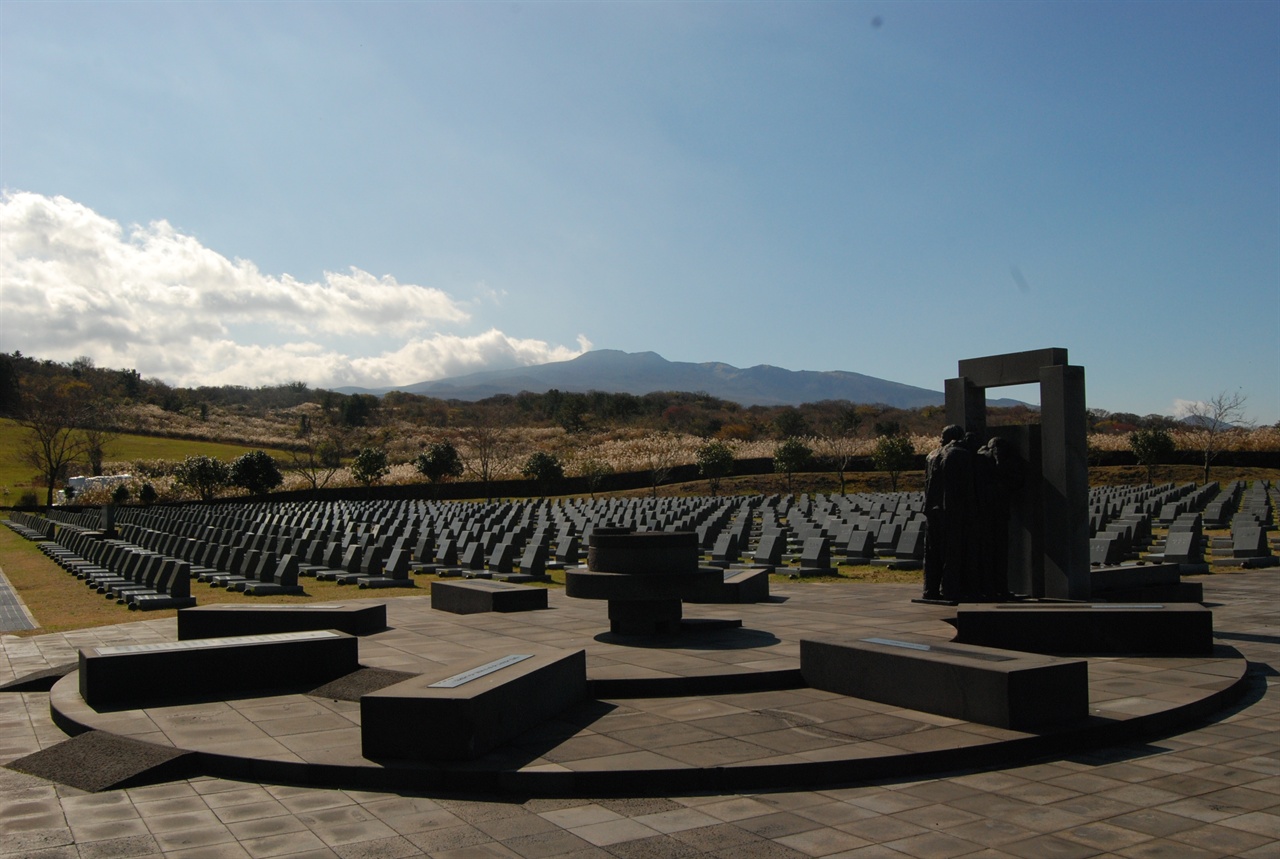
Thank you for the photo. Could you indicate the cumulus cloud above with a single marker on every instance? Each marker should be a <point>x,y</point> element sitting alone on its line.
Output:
<point>75,283</point>
<point>1184,408</point>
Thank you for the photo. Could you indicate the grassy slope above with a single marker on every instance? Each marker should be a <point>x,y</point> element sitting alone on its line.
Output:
<point>127,448</point>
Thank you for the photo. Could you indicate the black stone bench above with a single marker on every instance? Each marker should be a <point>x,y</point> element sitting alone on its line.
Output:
<point>462,711</point>
<point>473,596</point>
<point>219,621</point>
<point>1008,689</point>
<point>137,674</point>
<point>1099,628</point>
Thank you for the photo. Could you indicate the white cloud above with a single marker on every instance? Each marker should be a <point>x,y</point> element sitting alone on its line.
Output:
<point>1183,408</point>
<point>75,283</point>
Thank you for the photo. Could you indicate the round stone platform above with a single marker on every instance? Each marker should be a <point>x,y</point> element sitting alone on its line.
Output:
<point>722,709</point>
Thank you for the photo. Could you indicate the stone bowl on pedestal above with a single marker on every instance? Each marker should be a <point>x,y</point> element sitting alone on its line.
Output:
<point>645,576</point>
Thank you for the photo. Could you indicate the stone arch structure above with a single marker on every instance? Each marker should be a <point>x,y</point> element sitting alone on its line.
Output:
<point>1049,525</point>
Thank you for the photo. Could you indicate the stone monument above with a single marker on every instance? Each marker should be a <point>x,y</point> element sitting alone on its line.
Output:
<point>1048,546</point>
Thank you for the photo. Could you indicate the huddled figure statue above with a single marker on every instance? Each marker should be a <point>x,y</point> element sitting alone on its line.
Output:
<point>967,491</point>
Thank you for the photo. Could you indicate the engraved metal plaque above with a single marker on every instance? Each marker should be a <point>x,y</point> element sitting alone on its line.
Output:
<point>480,671</point>
<point>197,643</point>
<point>939,648</point>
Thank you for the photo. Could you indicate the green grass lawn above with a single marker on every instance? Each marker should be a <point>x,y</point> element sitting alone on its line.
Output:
<point>19,477</point>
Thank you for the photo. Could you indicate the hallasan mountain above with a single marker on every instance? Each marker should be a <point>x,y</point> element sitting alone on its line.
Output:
<point>645,372</point>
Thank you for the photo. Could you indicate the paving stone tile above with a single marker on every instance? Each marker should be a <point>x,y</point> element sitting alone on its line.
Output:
<point>734,808</point>
<point>1260,822</point>
<point>934,845</point>
<point>126,847</point>
<point>191,839</point>
<point>580,815</point>
<point>1221,838</point>
<point>554,842</point>
<point>613,831</point>
<point>378,848</point>
<point>636,806</point>
<point>993,833</point>
<point>230,850</point>
<point>778,824</point>
<point>822,841</point>
<point>722,836</point>
<point>1155,823</point>
<point>677,819</point>
<point>1159,848</point>
<point>654,847</point>
<point>938,816</point>
<point>435,841</point>
<point>1104,836</point>
<point>31,841</point>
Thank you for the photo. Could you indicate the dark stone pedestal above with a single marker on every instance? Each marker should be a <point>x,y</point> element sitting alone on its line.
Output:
<point>218,621</point>
<point>460,712</point>
<point>1008,689</point>
<point>644,599</point>
<point>473,596</point>
<point>644,617</point>
<point>134,675</point>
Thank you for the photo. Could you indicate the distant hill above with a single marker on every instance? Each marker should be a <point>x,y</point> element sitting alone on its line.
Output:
<point>645,372</point>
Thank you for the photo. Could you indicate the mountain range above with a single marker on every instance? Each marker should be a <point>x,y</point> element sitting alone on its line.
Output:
<point>645,372</point>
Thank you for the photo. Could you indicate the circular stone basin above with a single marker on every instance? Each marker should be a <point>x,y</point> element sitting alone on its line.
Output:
<point>643,552</point>
<point>645,576</point>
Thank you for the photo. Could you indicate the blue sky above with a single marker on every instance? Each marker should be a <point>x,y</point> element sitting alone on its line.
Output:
<point>382,193</point>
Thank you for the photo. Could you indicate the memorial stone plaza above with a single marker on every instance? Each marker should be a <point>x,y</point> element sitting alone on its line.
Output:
<point>686,693</point>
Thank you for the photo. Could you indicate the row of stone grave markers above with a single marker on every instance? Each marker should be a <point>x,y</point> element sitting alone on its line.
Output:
<point>353,542</point>
<point>1122,519</point>
<point>127,573</point>
<point>1250,545</point>
<point>264,548</point>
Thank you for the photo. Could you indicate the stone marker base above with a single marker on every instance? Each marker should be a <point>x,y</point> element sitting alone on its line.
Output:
<point>221,621</point>
<point>460,712</point>
<point>1257,563</point>
<point>1097,628</point>
<point>473,596</point>
<point>897,563</point>
<point>806,572</point>
<point>385,582</point>
<point>1004,688</point>
<point>520,578</point>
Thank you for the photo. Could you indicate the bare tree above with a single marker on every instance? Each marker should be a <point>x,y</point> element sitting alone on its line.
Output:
<point>1210,420</point>
<point>839,440</point>
<point>487,446</point>
<point>660,452</point>
<point>52,413</point>
<point>320,455</point>
<point>593,471</point>
<point>98,433</point>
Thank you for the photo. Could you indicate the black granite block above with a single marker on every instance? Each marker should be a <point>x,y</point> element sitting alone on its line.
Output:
<point>478,595</point>
<point>1101,628</point>
<point>460,712</point>
<point>1008,689</point>
<point>218,621</point>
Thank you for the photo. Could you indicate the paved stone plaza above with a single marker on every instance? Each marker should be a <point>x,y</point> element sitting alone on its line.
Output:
<point>1209,788</point>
